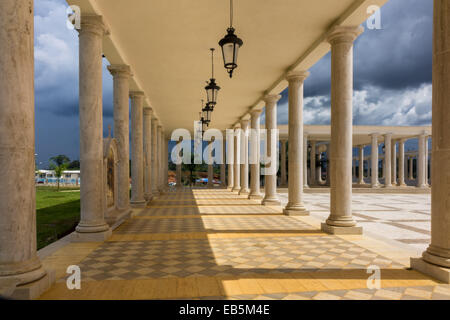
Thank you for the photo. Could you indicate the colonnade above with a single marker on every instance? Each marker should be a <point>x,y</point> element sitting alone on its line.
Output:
<point>18,256</point>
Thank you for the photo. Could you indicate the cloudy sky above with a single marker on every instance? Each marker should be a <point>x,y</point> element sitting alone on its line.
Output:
<point>392,70</point>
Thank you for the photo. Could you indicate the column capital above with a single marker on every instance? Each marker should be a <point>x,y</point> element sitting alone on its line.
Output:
<point>244,123</point>
<point>341,34</point>
<point>297,76</point>
<point>271,99</point>
<point>93,23</point>
<point>255,112</point>
<point>148,111</point>
<point>136,94</point>
<point>388,135</point>
<point>375,134</point>
<point>120,70</point>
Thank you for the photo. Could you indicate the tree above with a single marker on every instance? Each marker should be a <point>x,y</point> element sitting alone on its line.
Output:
<point>74,165</point>
<point>59,164</point>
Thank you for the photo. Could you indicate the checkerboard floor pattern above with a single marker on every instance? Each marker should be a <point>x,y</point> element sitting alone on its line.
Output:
<point>270,256</point>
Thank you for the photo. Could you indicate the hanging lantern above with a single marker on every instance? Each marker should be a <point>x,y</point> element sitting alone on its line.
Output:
<point>212,89</point>
<point>230,44</point>
<point>207,110</point>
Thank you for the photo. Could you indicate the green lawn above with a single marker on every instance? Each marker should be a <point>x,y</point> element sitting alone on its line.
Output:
<point>58,213</point>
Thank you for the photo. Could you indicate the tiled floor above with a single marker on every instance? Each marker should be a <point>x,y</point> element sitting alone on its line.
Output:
<point>189,245</point>
<point>401,217</point>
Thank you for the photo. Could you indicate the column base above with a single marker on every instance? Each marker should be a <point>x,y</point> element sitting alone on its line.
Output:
<point>148,197</point>
<point>291,212</point>
<point>432,270</point>
<point>271,202</point>
<point>236,189</point>
<point>255,196</point>
<point>138,204</point>
<point>9,287</point>
<point>244,192</point>
<point>155,194</point>
<point>340,230</point>
<point>91,236</point>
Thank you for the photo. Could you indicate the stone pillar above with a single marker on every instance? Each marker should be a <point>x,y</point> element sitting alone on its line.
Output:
<point>387,160</point>
<point>401,163</point>
<point>237,160</point>
<point>374,161</point>
<point>270,178</point>
<point>421,183</point>
<point>411,168</point>
<point>305,160</point>
<point>230,160</point>
<point>244,158</point>
<point>283,180</point>
<point>159,158</point>
<point>223,164</point>
<point>426,161</point>
<point>178,167</point>
<point>137,150</point>
<point>361,165</point>
<point>19,263</point>
<point>327,182</point>
<point>210,184</point>
<point>148,154</point>
<point>92,226</point>
<point>340,219</point>
<point>312,159</point>
<point>318,174</point>
<point>295,205</point>
<point>394,163</point>
<point>255,145</point>
<point>121,76</point>
<point>436,259</point>
<point>155,171</point>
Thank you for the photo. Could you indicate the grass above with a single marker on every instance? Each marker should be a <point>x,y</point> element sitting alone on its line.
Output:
<point>57,213</point>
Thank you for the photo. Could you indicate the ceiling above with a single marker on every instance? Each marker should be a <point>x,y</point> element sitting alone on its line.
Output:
<point>167,43</point>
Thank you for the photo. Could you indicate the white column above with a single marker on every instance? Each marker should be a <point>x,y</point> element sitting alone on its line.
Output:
<point>283,151</point>
<point>388,160</point>
<point>305,160</point>
<point>436,259</point>
<point>92,226</point>
<point>319,165</point>
<point>223,164</point>
<point>421,183</point>
<point>374,159</point>
<point>148,153</point>
<point>341,219</point>
<point>244,158</point>
<point>230,159</point>
<point>312,160</point>
<point>401,163</point>
<point>155,171</point>
<point>361,165</point>
<point>210,184</point>
<point>426,160</point>
<point>394,163</point>
<point>295,205</point>
<point>159,158</point>
<point>411,168</point>
<point>178,166</point>
<point>121,78</point>
<point>255,145</point>
<point>137,150</point>
<point>19,263</point>
<point>237,159</point>
<point>270,178</point>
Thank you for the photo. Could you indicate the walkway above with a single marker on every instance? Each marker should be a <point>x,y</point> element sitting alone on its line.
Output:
<point>213,244</point>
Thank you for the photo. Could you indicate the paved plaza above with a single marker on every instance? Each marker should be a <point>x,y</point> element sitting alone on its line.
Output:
<point>404,218</point>
<point>214,244</point>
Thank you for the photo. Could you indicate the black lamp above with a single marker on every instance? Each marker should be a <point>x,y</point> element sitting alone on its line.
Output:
<point>230,44</point>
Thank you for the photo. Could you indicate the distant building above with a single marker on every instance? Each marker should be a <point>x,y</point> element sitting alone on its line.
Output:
<point>69,177</point>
